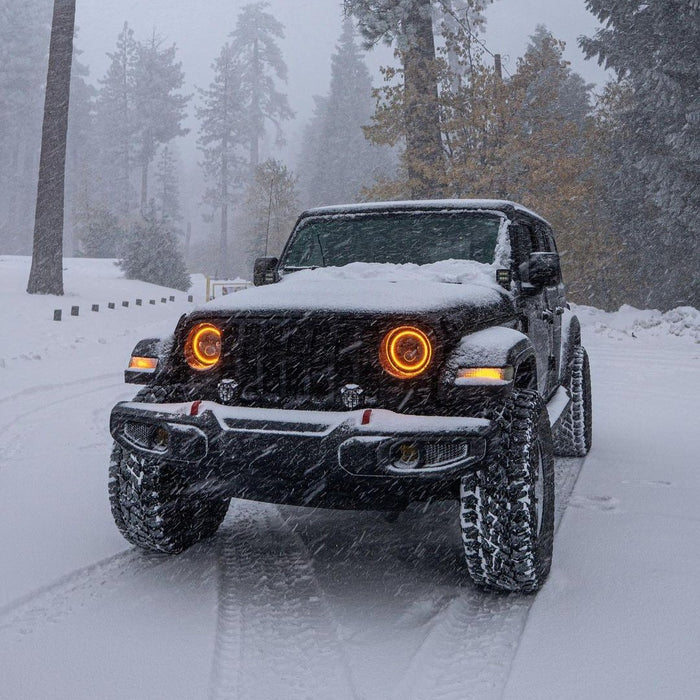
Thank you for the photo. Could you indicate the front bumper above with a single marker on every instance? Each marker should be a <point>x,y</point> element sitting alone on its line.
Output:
<point>340,459</point>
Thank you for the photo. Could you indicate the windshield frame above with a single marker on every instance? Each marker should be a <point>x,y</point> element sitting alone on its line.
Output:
<point>501,251</point>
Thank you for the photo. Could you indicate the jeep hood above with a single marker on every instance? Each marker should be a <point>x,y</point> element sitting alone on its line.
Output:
<point>376,288</point>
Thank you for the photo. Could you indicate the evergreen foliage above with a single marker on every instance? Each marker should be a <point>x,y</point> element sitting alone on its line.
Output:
<point>222,130</point>
<point>167,191</point>
<point>117,126</point>
<point>262,67</point>
<point>152,254</point>
<point>24,41</point>
<point>270,210</point>
<point>410,24</point>
<point>159,106</point>
<point>337,161</point>
<point>139,108</point>
<point>655,49</point>
<point>100,234</point>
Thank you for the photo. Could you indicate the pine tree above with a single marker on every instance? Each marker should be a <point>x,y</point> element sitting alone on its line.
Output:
<point>655,47</point>
<point>82,171</point>
<point>254,46</point>
<point>271,208</point>
<point>222,131</point>
<point>159,108</point>
<point>100,234</point>
<point>167,195</point>
<point>117,126</point>
<point>338,161</point>
<point>152,254</point>
<point>139,109</point>
<point>24,39</point>
<point>410,24</point>
<point>46,274</point>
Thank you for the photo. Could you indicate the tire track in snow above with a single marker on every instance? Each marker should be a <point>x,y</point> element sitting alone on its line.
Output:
<point>472,641</point>
<point>30,391</point>
<point>44,405</point>
<point>13,444</point>
<point>59,599</point>
<point>275,633</point>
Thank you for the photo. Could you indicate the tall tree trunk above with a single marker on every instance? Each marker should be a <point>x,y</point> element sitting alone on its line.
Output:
<point>223,241</point>
<point>424,154</point>
<point>255,111</point>
<point>144,187</point>
<point>46,275</point>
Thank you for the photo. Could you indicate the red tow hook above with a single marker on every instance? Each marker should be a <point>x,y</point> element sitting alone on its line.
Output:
<point>366,416</point>
<point>194,409</point>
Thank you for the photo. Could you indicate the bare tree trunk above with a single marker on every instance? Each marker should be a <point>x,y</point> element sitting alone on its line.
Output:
<point>255,112</point>
<point>46,276</point>
<point>223,242</point>
<point>424,154</point>
<point>144,187</point>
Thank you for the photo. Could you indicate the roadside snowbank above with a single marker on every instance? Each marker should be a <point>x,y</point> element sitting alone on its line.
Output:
<point>683,321</point>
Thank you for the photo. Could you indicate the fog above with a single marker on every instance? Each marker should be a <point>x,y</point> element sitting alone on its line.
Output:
<point>312,29</point>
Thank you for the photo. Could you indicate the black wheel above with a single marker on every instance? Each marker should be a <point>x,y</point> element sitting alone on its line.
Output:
<point>507,506</point>
<point>574,432</point>
<point>151,508</point>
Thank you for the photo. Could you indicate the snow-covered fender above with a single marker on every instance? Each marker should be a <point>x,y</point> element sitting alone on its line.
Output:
<point>139,371</point>
<point>570,338</point>
<point>498,346</point>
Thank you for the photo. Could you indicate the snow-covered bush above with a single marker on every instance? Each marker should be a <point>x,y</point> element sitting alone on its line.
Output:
<point>152,254</point>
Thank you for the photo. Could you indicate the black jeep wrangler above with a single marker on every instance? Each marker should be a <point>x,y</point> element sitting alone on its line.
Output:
<point>395,352</point>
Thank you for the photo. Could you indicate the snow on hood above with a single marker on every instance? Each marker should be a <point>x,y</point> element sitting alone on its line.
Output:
<point>374,288</point>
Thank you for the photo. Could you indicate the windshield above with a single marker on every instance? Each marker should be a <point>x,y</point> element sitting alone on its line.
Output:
<point>400,237</point>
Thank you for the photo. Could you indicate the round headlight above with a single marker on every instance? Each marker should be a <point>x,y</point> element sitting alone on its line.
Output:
<point>405,352</point>
<point>203,346</point>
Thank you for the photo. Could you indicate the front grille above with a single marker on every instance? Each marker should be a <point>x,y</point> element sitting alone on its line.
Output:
<point>300,362</point>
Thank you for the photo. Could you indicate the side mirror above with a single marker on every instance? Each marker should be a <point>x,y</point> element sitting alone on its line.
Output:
<point>541,270</point>
<point>265,271</point>
<point>144,361</point>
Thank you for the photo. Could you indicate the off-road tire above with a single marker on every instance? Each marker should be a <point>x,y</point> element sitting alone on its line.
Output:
<point>573,433</point>
<point>498,506</point>
<point>151,507</point>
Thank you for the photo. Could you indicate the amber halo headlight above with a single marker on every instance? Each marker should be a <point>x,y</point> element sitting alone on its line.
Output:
<point>405,352</point>
<point>203,346</point>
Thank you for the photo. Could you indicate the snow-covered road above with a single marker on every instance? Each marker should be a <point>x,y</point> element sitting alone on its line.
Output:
<point>295,603</point>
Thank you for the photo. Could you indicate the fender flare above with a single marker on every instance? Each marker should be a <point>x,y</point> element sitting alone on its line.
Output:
<point>498,346</point>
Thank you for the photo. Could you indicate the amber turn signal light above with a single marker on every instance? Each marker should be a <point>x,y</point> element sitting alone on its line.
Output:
<point>203,346</point>
<point>143,364</point>
<point>478,375</point>
<point>405,352</point>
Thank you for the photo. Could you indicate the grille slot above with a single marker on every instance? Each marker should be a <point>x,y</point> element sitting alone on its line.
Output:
<point>143,435</point>
<point>437,453</point>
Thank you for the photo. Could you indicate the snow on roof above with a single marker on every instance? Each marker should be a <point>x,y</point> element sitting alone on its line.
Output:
<point>422,204</point>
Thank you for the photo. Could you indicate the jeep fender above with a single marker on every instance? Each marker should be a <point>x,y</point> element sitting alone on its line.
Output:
<point>495,347</point>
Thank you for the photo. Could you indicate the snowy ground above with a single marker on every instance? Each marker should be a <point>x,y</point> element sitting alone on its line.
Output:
<point>292,603</point>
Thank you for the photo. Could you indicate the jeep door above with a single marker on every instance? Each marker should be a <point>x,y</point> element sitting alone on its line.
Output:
<point>538,304</point>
